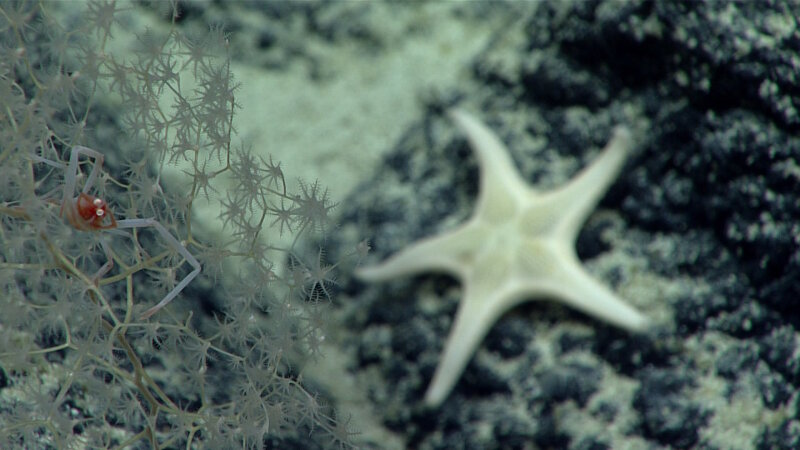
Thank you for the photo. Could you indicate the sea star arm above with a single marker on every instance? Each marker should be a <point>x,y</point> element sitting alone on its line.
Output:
<point>501,187</point>
<point>569,283</point>
<point>444,253</point>
<point>581,195</point>
<point>477,312</point>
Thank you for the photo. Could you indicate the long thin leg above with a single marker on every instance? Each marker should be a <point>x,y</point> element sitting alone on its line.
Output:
<point>71,174</point>
<point>98,163</point>
<point>141,223</point>
<point>109,262</point>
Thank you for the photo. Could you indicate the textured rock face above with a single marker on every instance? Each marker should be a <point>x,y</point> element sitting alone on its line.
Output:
<point>704,226</point>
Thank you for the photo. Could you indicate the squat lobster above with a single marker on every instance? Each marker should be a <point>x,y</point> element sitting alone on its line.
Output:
<point>87,212</point>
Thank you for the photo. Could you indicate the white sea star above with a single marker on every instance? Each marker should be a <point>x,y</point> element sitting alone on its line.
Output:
<point>517,246</point>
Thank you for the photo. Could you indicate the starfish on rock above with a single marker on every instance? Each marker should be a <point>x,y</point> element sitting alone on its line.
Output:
<point>517,246</point>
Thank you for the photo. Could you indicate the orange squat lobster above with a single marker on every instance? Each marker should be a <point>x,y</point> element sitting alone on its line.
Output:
<point>89,213</point>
